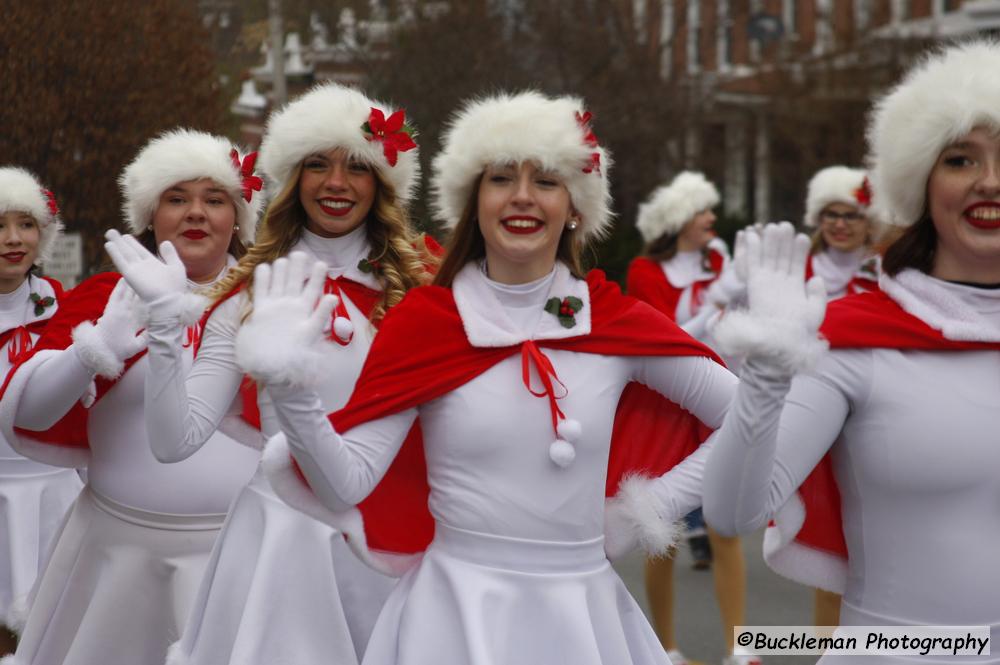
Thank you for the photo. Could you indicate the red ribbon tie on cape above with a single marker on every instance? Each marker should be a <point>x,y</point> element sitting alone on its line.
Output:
<point>20,342</point>
<point>561,451</point>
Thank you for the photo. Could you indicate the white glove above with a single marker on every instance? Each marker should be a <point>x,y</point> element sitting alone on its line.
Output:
<point>784,314</point>
<point>104,347</point>
<point>160,282</point>
<point>282,341</point>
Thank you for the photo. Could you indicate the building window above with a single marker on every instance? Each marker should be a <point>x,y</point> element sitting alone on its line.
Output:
<point>694,37</point>
<point>666,38</point>
<point>724,36</point>
<point>790,16</point>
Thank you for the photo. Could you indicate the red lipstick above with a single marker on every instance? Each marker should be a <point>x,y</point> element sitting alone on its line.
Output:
<point>338,211</point>
<point>194,234</point>
<point>522,225</point>
<point>983,215</point>
<point>14,257</point>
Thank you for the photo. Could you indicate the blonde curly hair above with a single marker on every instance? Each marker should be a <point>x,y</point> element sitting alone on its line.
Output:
<point>400,254</point>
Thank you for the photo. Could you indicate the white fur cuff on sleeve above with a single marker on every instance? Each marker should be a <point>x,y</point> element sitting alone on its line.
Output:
<point>785,343</point>
<point>632,518</point>
<point>94,352</point>
<point>268,362</point>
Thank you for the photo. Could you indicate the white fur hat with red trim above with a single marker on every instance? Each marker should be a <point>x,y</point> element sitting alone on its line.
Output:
<point>946,95</point>
<point>333,116</point>
<point>184,154</point>
<point>669,208</point>
<point>836,184</point>
<point>20,191</point>
<point>553,132</point>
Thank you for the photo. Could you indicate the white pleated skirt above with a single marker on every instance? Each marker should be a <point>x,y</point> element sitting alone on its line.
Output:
<point>280,587</point>
<point>118,586</point>
<point>479,599</point>
<point>34,501</point>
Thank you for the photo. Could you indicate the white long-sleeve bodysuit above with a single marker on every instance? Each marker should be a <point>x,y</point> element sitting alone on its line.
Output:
<point>913,438</point>
<point>301,564</point>
<point>487,443</point>
<point>140,527</point>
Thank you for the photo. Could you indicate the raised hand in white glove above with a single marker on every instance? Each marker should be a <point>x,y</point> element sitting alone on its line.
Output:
<point>784,312</point>
<point>161,281</point>
<point>282,341</point>
<point>103,347</point>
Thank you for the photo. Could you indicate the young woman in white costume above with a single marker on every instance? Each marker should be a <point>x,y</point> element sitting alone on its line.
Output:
<point>514,364</point>
<point>683,273</point>
<point>34,496</point>
<point>837,205</point>
<point>837,210</point>
<point>122,575</point>
<point>283,587</point>
<point>907,401</point>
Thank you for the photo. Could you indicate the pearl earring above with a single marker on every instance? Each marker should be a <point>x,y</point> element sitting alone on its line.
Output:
<point>572,224</point>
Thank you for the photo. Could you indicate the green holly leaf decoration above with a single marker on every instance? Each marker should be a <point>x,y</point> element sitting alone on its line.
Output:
<point>567,321</point>
<point>565,310</point>
<point>552,306</point>
<point>368,267</point>
<point>366,128</point>
<point>41,304</point>
<point>575,303</point>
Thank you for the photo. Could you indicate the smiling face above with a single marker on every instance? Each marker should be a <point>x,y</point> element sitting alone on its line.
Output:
<point>522,211</point>
<point>843,226</point>
<point>963,198</point>
<point>20,236</point>
<point>198,217</point>
<point>336,192</point>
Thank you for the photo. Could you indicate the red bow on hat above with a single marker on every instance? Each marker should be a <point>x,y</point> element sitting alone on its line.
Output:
<point>53,206</point>
<point>251,183</point>
<point>393,132</point>
<point>863,194</point>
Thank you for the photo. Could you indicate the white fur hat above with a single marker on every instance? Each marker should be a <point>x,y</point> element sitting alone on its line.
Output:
<point>21,192</point>
<point>514,128</point>
<point>942,98</point>
<point>669,208</point>
<point>334,116</point>
<point>179,155</point>
<point>836,184</point>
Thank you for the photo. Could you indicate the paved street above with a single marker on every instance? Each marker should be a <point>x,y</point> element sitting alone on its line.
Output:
<point>771,600</point>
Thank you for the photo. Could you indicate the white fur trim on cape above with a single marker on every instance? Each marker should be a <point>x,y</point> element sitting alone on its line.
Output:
<point>785,343</point>
<point>633,518</point>
<point>798,562</point>
<point>943,97</point>
<point>929,300</point>
<point>669,208</point>
<point>277,465</point>
<point>20,191</point>
<point>43,289</point>
<point>514,128</point>
<point>326,117</point>
<point>177,156</point>
<point>834,184</point>
<point>21,441</point>
<point>486,322</point>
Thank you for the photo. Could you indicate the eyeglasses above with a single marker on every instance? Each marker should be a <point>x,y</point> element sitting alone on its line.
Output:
<point>831,217</point>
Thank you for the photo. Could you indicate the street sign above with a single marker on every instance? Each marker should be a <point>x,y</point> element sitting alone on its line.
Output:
<point>66,263</point>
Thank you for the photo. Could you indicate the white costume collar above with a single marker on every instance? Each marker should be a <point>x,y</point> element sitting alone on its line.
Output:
<point>342,254</point>
<point>686,268</point>
<point>21,310</point>
<point>960,313</point>
<point>486,321</point>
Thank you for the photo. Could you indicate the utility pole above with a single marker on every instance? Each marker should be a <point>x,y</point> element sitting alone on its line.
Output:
<point>278,88</point>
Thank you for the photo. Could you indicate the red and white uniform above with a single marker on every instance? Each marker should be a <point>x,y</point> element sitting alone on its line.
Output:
<point>122,576</point>
<point>514,539</point>
<point>34,497</point>
<point>269,555</point>
<point>845,273</point>
<point>906,404</point>
<point>678,287</point>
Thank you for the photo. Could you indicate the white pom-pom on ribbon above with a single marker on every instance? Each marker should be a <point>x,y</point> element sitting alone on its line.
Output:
<point>343,328</point>
<point>569,430</point>
<point>562,452</point>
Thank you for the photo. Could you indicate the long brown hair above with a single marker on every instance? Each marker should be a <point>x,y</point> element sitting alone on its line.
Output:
<point>466,243</point>
<point>400,254</point>
<point>914,248</point>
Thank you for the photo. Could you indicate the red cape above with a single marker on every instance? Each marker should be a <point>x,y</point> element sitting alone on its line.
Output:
<point>404,371</point>
<point>863,321</point>
<point>647,282</point>
<point>859,282</point>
